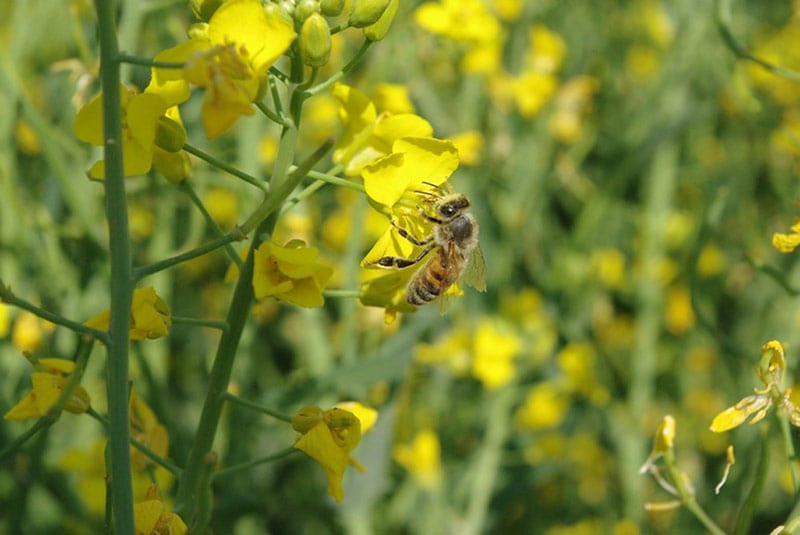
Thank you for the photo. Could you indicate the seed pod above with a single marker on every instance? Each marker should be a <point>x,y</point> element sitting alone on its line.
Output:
<point>170,135</point>
<point>379,29</point>
<point>331,8</point>
<point>366,12</point>
<point>315,41</point>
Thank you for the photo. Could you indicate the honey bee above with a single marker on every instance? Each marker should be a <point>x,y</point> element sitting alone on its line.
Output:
<point>453,248</point>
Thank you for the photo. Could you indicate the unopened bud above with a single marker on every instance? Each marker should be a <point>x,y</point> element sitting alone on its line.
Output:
<point>331,8</point>
<point>304,9</point>
<point>170,135</point>
<point>174,166</point>
<point>79,402</point>
<point>280,11</point>
<point>366,12</point>
<point>306,418</point>
<point>315,41</point>
<point>379,29</point>
<point>203,9</point>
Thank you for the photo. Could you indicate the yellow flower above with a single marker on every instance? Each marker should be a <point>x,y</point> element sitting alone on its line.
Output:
<point>469,145</point>
<point>545,406</point>
<point>48,383</point>
<point>5,319</point>
<point>392,98</point>
<point>678,314</point>
<point>495,348</point>
<point>577,361</point>
<point>328,437</point>
<point>422,458</point>
<point>786,243</point>
<point>572,104</point>
<point>27,332</point>
<point>662,443</point>
<point>367,136</point>
<point>547,50</point>
<point>291,273</point>
<point>222,205</point>
<point>532,90</point>
<point>140,113</point>
<point>228,57</point>
<point>151,517</point>
<point>757,405</point>
<point>466,21</point>
<point>150,316</point>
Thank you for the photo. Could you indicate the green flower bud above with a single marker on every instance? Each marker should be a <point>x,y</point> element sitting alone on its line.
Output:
<point>331,8</point>
<point>378,30</point>
<point>170,135</point>
<point>203,9</point>
<point>174,166</point>
<point>280,10</point>
<point>304,9</point>
<point>366,12</point>
<point>315,41</point>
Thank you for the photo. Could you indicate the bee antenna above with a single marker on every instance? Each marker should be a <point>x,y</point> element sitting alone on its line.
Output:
<point>428,193</point>
<point>434,186</point>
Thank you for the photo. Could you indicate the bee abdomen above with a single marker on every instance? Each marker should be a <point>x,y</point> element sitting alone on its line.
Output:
<point>428,284</point>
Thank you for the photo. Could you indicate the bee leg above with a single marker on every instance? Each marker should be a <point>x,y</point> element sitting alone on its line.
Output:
<point>404,233</point>
<point>399,262</point>
<point>430,217</point>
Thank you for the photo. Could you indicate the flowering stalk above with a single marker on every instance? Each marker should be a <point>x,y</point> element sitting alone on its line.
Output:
<point>121,487</point>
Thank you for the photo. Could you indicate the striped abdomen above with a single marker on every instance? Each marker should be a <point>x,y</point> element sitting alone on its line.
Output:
<point>434,278</point>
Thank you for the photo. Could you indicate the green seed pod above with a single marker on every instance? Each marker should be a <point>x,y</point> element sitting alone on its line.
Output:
<point>378,30</point>
<point>304,9</point>
<point>315,41</point>
<point>366,12</point>
<point>331,8</point>
<point>170,135</point>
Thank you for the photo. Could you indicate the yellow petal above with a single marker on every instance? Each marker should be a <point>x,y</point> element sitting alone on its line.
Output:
<point>320,445</point>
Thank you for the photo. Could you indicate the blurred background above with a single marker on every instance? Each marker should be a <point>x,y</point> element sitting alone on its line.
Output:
<point>628,172</point>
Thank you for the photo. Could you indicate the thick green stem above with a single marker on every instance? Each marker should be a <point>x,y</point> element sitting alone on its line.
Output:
<point>121,281</point>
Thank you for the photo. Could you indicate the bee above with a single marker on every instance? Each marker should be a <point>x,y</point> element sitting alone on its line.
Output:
<point>452,246</point>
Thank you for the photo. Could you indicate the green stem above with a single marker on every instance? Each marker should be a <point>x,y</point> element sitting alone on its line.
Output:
<point>253,181</point>
<point>7,296</point>
<point>161,265</point>
<point>271,115</point>
<point>256,407</point>
<point>346,294</point>
<point>150,454</point>
<point>748,508</point>
<point>319,88</point>
<point>121,487</point>
<point>791,455</point>
<point>723,20</point>
<point>250,464</point>
<point>335,180</point>
<point>189,190</point>
<point>200,322</point>
<point>686,495</point>
<point>148,62</point>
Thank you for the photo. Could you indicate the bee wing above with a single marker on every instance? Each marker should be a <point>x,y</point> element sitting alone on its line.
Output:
<point>475,271</point>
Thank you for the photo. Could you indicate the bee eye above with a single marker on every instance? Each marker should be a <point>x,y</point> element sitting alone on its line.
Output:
<point>448,210</point>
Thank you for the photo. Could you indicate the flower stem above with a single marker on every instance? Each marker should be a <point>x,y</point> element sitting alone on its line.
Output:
<point>121,487</point>
<point>189,190</point>
<point>161,265</point>
<point>323,86</point>
<point>148,62</point>
<point>253,181</point>
<point>687,496</point>
<point>256,407</point>
<point>7,296</point>
<point>255,462</point>
<point>200,322</point>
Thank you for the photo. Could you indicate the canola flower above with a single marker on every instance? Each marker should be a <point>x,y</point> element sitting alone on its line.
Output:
<point>47,385</point>
<point>330,436</point>
<point>150,317</point>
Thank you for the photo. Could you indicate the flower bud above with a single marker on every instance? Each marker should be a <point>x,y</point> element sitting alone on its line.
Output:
<point>174,166</point>
<point>281,11</point>
<point>304,9</point>
<point>306,418</point>
<point>366,12</point>
<point>331,8</point>
<point>203,9</point>
<point>170,135</point>
<point>379,29</point>
<point>315,41</point>
<point>79,402</point>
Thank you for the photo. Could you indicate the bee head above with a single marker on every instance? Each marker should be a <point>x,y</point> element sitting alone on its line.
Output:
<point>450,206</point>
